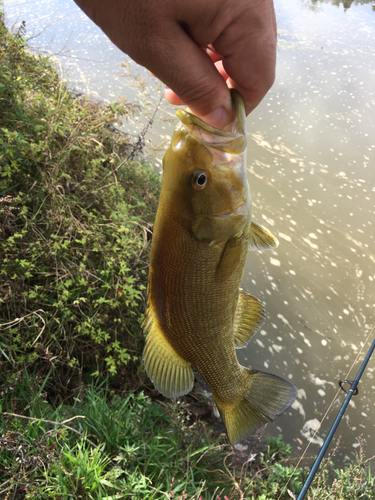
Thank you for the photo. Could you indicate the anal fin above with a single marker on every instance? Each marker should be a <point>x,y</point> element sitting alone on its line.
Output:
<point>249,317</point>
<point>261,238</point>
<point>171,375</point>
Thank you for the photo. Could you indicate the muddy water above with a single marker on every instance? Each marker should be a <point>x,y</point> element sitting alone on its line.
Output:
<point>312,173</point>
<point>311,159</point>
<point>89,60</point>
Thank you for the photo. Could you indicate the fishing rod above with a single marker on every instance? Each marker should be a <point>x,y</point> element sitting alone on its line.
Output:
<point>351,392</point>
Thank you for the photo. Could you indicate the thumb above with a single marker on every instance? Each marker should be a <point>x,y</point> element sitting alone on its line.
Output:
<point>219,117</point>
<point>192,79</point>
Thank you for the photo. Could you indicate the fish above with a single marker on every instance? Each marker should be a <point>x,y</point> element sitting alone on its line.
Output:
<point>196,313</point>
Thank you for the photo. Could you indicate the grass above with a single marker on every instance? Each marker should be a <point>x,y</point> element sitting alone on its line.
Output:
<point>77,205</point>
<point>128,446</point>
<point>109,445</point>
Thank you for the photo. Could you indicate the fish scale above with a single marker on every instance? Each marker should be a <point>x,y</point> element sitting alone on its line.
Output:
<point>196,314</point>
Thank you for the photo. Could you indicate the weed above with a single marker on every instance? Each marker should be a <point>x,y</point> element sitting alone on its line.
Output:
<point>75,219</point>
<point>353,481</point>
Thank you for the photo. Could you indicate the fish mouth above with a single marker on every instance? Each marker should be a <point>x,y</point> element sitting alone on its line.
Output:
<point>232,141</point>
<point>239,209</point>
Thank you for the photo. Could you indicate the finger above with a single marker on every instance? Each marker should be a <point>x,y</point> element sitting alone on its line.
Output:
<point>193,80</point>
<point>214,56</point>
<point>219,66</point>
<point>252,73</point>
<point>172,97</point>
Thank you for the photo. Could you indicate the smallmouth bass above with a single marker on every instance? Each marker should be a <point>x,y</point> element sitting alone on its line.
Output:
<point>196,314</point>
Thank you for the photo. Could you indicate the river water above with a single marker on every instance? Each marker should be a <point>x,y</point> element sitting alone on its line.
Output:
<point>311,160</point>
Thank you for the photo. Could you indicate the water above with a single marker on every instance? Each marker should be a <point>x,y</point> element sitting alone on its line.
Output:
<point>89,60</point>
<point>311,158</point>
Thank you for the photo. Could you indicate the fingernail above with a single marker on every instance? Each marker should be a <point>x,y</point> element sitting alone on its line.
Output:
<point>218,118</point>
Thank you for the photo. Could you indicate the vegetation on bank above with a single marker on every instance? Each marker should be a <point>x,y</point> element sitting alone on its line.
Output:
<point>77,421</point>
<point>75,219</point>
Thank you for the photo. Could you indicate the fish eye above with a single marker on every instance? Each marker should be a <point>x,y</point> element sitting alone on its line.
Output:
<point>199,179</point>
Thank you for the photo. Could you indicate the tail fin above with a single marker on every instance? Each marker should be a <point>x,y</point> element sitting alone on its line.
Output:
<point>266,397</point>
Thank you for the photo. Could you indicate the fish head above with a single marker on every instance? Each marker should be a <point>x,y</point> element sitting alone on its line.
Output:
<point>205,169</point>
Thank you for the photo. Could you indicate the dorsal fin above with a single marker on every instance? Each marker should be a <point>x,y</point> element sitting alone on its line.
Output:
<point>261,238</point>
<point>249,317</point>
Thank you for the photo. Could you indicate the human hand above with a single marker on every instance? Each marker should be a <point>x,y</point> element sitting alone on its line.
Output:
<point>197,48</point>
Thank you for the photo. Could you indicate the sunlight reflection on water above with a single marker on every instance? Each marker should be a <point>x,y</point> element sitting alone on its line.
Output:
<point>311,160</point>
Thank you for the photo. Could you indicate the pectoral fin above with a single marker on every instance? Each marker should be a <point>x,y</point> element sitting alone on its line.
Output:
<point>249,317</point>
<point>265,397</point>
<point>230,259</point>
<point>171,375</point>
<point>261,238</point>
